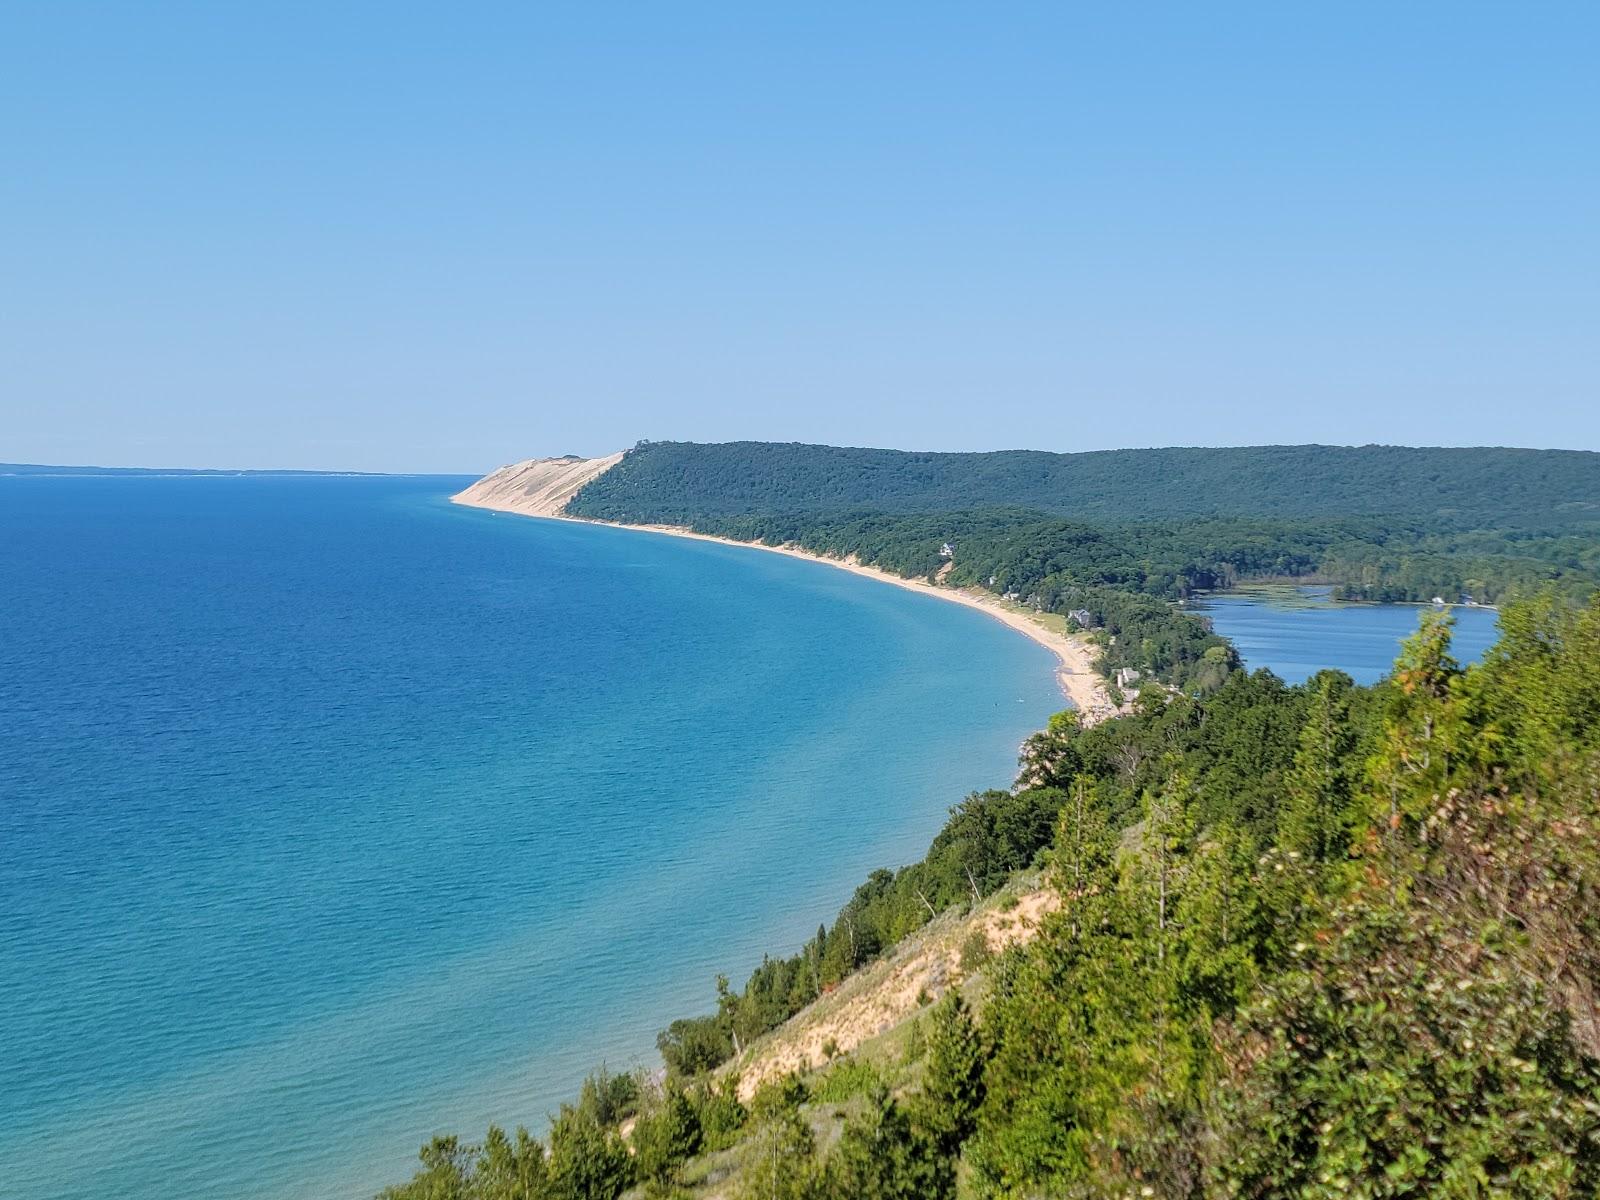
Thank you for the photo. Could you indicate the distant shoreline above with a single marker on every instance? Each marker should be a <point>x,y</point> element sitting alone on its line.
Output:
<point>48,471</point>
<point>1075,673</point>
<point>1250,588</point>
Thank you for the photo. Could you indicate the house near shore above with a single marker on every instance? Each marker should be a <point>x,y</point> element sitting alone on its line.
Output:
<point>947,551</point>
<point>1082,617</point>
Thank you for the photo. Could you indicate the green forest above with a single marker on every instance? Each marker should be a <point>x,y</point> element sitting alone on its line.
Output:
<point>1320,940</point>
<point>1469,487</point>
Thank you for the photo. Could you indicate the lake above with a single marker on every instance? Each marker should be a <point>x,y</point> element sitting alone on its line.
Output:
<point>1294,632</point>
<point>333,815</point>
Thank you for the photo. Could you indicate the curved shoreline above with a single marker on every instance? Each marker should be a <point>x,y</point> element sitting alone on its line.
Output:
<point>1075,673</point>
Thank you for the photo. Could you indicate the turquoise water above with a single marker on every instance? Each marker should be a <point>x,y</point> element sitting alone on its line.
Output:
<point>1302,632</point>
<point>333,815</point>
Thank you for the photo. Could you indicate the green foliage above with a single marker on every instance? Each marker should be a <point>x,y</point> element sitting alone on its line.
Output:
<point>676,481</point>
<point>1317,815</point>
<point>916,1042</point>
<point>1227,1008</point>
<point>952,1088</point>
<point>447,1173</point>
<point>975,952</point>
<point>503,1168</point>
<point>605,1099</point>
<point>720,1113</point>
<point>666,1135</point>
<point>1408,1059</point>
<point>846,1080</point>
<point>511,1168</point>
<point>1541,691</point>
<point>782,1153</point>
<point>778,1095</point>
<point>588,1159</point>
<point>691,1046</point>
<point>880,1155</point>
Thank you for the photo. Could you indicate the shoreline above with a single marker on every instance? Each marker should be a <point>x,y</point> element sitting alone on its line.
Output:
<point>1075,674</point>
<point>1247,587</point>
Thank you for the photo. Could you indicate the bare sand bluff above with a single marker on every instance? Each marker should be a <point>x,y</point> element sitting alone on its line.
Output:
<point>543,487</point>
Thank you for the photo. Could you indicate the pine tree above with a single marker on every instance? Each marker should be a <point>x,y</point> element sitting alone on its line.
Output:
<point>1085,848</point>
<point>1424,731</point>
<point>1313,821</point>
<point>663,1139</point>
<point>445,1175</point>
<point>783,1158</point>
<point>952,1089</point>
<point>588,1161</point>
<point>881,1156</point>
<point>511,1169</point>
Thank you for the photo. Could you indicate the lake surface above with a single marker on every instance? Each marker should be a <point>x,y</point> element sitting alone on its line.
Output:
<point>1296,632</point>
<point>333,815</point>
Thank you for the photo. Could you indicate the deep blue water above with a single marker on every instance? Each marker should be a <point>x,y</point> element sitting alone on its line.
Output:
<point>332,815</point>
<point>1302,632</point>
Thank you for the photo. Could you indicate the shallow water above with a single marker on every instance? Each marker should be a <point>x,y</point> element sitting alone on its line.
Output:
<point>333,815</point>
<point>1296,632</point>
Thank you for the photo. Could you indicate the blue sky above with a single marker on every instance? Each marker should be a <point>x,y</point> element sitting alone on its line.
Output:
<point>440,237</point>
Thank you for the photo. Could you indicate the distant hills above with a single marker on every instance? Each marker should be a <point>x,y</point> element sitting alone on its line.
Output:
<point>679,482</point>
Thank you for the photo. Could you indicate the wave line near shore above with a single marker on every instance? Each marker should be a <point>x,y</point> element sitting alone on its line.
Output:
<point>1075,654</point>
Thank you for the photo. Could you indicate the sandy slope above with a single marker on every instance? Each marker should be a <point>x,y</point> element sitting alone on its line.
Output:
<point>882,994</point>
<point>539,487</point>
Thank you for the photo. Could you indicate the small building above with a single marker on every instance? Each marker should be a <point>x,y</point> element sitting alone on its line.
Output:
<point>1082,616</point>
<point>947,551</point>
<point>1127,679</point>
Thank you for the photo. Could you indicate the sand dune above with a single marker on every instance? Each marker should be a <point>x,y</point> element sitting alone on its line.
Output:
<point>539,487</point>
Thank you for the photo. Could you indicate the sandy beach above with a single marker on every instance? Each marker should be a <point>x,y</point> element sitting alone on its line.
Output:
<point>1074,653</point>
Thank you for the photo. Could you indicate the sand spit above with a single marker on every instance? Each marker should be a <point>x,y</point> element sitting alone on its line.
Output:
<point>539,487</point>
<point>542,487</point>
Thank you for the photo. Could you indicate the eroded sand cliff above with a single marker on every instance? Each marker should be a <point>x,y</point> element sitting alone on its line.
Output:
<point>539,487</point>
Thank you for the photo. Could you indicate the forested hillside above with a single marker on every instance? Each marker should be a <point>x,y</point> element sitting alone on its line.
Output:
<point>1320,940</point>
<point>679,482</point>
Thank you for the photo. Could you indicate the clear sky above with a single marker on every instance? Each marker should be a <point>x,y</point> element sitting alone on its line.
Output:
<point>444,236</point>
